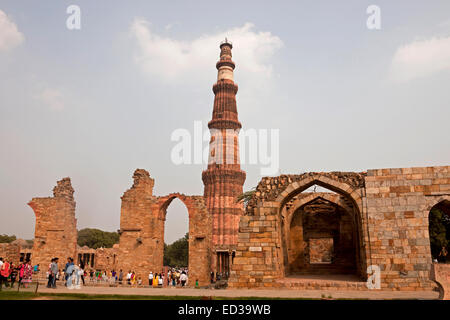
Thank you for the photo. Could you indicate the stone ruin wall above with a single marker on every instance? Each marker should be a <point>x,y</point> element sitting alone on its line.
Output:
<point>56,225</point>
<point>10,252</point>
<point>142,225</point>
<point>142,222</point>
<point>398,204</point>
<point>394,206</point>
<point>139,243</point>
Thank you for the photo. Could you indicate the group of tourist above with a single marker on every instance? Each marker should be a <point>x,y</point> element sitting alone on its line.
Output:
<point>73,276</point>
<point>175,277</point>
<point>9,273</point>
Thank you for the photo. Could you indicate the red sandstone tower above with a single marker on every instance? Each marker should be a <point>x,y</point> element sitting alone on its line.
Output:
<point>224,178</point>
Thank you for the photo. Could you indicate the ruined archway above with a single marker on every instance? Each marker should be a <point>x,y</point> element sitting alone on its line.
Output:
<point>320,235</point>
<point>142,218</point>
<point>346,191</point>
<point>176,235</point>
<point>262,259</point>
<point>199,235</point>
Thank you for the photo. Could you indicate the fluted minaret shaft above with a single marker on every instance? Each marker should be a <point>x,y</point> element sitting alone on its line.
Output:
<point>223,179</point>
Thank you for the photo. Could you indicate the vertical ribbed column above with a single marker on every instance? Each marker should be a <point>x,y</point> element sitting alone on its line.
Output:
<point>223,179</point>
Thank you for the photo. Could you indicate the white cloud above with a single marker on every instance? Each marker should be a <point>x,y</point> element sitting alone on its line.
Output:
<point>51,97</point>
<point>421,58</point>
<point>171,59</point>
<point>10,36</point>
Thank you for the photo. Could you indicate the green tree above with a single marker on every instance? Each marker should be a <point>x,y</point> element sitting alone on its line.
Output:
<point>4,238</point>
<point>177,253</point>
<point>245,197</point>
<point>95,238</point>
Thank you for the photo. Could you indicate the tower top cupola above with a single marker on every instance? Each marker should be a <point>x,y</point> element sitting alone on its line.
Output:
<point>225,65</point>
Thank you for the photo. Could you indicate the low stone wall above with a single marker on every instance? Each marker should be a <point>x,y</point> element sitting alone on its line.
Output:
<point>440,273</point>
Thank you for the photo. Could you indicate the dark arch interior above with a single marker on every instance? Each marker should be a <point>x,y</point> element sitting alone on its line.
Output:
<point>322,237</point>
<point>321,240</point>
<point>439,231</point>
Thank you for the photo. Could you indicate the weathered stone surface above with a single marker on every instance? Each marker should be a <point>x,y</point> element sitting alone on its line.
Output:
<point>389,207</point>
<point>440,273</point>
<point>10,252</point>
<point>143,215</point>
<point>56,226</point>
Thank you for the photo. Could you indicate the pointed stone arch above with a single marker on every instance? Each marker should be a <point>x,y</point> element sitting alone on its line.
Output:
<point>347,222</point>
<point>199,235</point>
<point>260,229</point>
<point>142,218</point>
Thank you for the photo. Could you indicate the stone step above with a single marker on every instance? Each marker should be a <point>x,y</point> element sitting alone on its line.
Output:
<point>320,282</point>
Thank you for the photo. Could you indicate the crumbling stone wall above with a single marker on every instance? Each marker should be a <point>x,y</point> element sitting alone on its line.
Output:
<point>392,207</point>
<point>10,252</point>
<point>138,236</point>
<point>142,222</point>
<point>200,230</point>
<point>106,259</point>
<point>56,226</point>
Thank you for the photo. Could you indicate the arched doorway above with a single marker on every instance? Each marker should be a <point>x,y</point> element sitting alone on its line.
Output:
<point>323,228</point>
<point>176,235</point>
<point>321,237</point>
<point>439,231</point>
<point>199,236</point>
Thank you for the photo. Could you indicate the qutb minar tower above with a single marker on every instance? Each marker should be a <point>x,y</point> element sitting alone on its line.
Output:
<point>224,178</point>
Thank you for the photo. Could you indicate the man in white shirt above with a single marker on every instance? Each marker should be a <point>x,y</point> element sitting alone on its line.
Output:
<point>183,279</point>
<point>129,277</point>
<point>150,278</point>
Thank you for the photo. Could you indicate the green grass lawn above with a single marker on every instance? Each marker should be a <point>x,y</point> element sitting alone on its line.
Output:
<point>14,295</point>
<point>10,295</point>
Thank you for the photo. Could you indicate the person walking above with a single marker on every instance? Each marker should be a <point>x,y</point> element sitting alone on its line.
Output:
<point>76,276</point>
<point>13,274</point>
<point>91,276</point>
<point>27,273</point>
<point>4,273</point>
<point>49,272</point>
<point>183,278</point>
<point>120,277</point>
<point>155,281</point>
<point>161,280</point>
<point>150,279</point>
<point>113,277</point>
<point>69,273</point>
<point>82,272</point>
<point>129,277</point>
<point>54,272</point>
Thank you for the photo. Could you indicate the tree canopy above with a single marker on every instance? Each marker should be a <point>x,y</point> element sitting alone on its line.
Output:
<point>4,238</point>
<point>95,238</point>
<point>177,253</point>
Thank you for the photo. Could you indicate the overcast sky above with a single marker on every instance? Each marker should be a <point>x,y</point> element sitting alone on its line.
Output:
<point>95,104</point>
